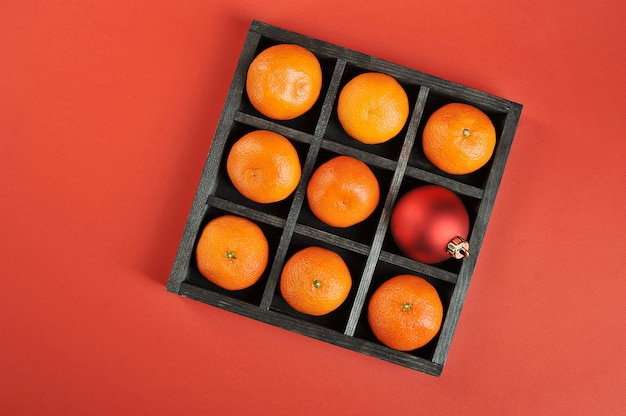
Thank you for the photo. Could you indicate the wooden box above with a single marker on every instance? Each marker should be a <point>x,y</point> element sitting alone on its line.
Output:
<point>367,248</point>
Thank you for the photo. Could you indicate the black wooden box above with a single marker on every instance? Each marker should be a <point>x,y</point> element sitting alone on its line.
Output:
<point>367,248</point>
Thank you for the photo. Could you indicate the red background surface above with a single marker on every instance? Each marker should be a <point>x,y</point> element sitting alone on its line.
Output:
<point>107,111</point>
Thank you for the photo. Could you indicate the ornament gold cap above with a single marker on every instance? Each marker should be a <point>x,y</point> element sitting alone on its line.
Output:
<point>458,248</point>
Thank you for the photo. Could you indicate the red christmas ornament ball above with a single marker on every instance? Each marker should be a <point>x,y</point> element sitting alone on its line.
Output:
<point>425,220</point>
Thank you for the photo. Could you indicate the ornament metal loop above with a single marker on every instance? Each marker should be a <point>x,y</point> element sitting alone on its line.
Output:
<point>458,248</point>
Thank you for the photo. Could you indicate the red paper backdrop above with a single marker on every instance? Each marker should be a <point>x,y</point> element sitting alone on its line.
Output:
<point>107,110</point>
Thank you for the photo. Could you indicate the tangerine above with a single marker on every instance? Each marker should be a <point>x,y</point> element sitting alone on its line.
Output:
<point>284,81</point>
<point>459,138</point>
<point>232,252</point>
<point>405,312</point>
<point>315,281</point>
<point>373,107</point>
<point>343,192</point>
<point>264,166</point>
